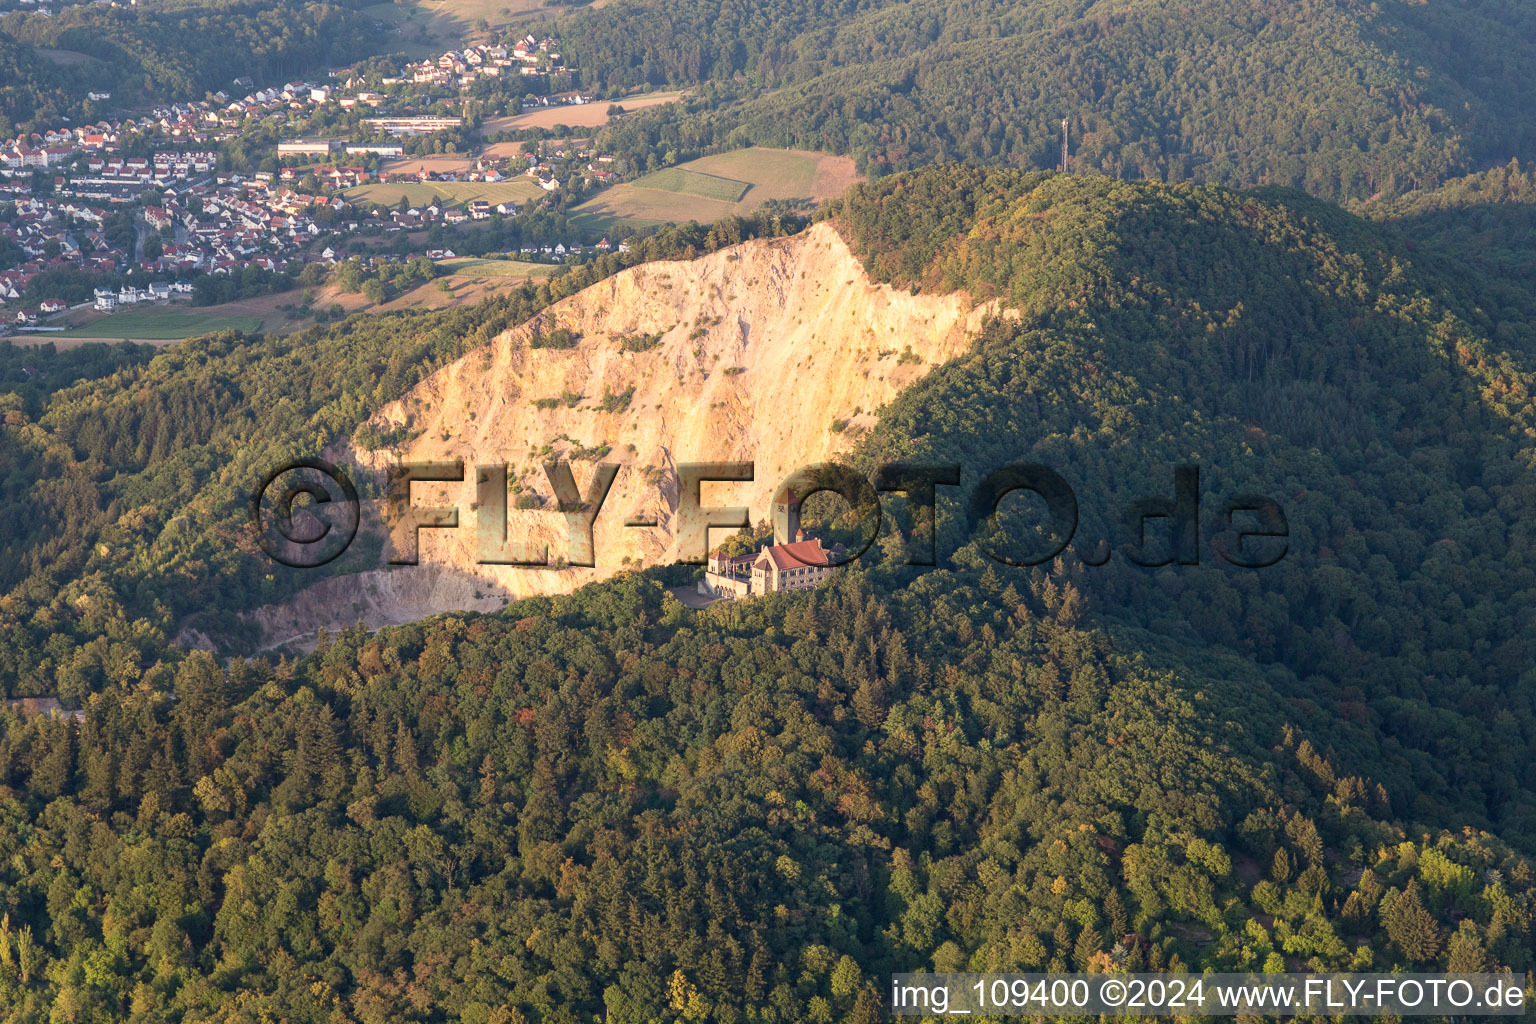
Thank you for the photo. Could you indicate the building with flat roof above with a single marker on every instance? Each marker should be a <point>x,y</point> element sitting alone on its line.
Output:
<point>413,125</point>
<point>305,147</point>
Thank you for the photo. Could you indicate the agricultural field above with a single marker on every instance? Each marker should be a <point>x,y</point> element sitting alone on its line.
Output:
<point>452,192</point>
<point>712,187</point>
<point>432,164</point>
<point>474,267</point>
<point>580,115</point>
<point>159,323</point>
<point>692,183</point>
<point>467,282</point>
<point>500,150</point>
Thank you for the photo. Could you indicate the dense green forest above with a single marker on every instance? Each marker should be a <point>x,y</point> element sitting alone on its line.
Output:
<point>168,51</point>
<point>1484,221</point>
<point>1293,352</point>
<point>1344,99</point>
<point>28,83</point>
<point>607,807</point>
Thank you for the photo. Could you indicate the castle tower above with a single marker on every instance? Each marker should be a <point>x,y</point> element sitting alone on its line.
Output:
<point>786,517</point>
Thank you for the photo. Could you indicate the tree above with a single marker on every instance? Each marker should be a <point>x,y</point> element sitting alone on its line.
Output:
<point>1465,954</point>
<point>846,977</point>
<point>1411,927</point>
<point>867,1008</point>
<point>1114,911</point>
<point>1088,945</point>
<point>1355,912</point>
<point>1280,867</point>
<point>1061,945</point>
<point>683,997</point>
<point>29,956</point>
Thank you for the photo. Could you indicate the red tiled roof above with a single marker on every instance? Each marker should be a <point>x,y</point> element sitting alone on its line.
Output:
<point>794,556</point>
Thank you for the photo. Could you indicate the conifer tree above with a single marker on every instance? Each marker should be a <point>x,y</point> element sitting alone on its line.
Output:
<point>1411,927</point>
<point>1465,954</point>
<point>1088,945</point>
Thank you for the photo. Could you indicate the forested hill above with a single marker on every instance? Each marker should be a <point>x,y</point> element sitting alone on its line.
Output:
<point>1485,222</point>
<point>606,807</point>
<point>171,50</point>
<point>1344,98</point>
<point>1292,351</point>
<point>28,83</point>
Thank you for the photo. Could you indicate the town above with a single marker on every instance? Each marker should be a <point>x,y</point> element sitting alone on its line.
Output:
<point>130,210</point>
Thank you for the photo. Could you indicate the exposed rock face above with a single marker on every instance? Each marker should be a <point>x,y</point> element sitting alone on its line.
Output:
<point>777,352</point>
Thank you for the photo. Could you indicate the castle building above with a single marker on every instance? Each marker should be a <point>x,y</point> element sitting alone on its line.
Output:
<point>798,566</point>
<point>777,568</point>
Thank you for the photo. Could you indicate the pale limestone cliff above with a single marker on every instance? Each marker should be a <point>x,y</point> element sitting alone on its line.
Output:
<point>778,352</point>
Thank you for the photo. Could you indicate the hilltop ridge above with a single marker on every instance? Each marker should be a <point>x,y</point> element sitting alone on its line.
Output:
<point>604,806</point>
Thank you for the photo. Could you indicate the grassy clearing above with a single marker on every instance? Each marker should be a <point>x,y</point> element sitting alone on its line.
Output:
<point>475,267</point>
<point>66,58</point>
<point>158,324</point>
<point>781,173</point>
<point>705,186</point>
<point>647,207</point>
<point>427,26</point>
<point>450,192</point>
<point>770,174</point>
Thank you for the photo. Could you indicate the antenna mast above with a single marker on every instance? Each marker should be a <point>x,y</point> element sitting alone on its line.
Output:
<point>1065,127</point>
